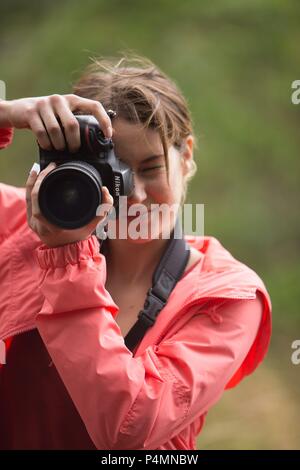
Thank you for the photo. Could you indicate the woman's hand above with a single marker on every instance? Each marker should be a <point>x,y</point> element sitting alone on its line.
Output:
<point>52,235</point>
<point>40,115</point>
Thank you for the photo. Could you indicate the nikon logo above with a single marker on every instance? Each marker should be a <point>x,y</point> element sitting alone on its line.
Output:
<point>117,185</point>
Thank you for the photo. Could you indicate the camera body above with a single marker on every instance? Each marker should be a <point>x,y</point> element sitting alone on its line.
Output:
<point>71,193</point>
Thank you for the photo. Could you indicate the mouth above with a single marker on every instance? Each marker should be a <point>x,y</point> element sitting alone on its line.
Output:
<point>145,217</point>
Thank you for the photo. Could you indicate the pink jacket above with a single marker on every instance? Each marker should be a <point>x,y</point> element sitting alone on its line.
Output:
<point>213,332</point>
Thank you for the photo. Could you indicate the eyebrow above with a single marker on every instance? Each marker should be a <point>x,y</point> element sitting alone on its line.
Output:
<point>153,157</point>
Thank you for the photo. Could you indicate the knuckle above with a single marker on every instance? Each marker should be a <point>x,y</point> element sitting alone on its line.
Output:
<point>73,125</point>
<point>71,96</point>
<point>42,103</point>
<point>54,129</point>
<point>29,112</point>
<point>97,106</point>
<point>56,99</point>
<point>40,133</point>
<point>45,145</point>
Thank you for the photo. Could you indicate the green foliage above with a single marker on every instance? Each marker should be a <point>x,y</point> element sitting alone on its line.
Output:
<point>235,62</point>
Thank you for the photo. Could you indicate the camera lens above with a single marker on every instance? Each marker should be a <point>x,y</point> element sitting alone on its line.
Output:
<point>70,195</point>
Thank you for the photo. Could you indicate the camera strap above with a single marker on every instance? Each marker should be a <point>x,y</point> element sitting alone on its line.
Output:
<point>166,275</point>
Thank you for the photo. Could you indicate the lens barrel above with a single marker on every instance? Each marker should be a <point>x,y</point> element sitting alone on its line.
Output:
<point>70,195</point>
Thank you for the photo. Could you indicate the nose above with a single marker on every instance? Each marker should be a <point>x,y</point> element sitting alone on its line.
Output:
<point>138,194</point>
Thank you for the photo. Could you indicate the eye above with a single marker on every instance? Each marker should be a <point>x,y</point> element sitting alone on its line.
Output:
<point>151,168</point>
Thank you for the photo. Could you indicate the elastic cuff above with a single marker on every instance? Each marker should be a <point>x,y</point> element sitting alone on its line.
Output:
<point>72,253</point>
<point>6,136</point>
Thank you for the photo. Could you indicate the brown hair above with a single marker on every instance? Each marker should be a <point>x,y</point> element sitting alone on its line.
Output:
<point>138,91</point>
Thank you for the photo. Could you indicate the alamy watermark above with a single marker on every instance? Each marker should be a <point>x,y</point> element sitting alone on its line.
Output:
<point>2,90</point>
<point>295,357</point>
<point>295,97</point>
<point>141,222</point>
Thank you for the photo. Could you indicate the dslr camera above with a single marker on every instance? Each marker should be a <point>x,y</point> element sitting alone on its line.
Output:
<point>71,193</point>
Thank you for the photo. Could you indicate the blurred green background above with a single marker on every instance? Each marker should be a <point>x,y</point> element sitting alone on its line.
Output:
<point>235,61</point>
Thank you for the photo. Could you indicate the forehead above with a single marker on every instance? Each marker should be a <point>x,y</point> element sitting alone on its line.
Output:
<point>133,141</point>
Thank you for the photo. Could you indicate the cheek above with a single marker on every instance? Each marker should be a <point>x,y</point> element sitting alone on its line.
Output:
<point>163,193</point>
<point>176,183</point>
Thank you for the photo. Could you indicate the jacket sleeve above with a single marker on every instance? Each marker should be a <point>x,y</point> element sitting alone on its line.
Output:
<point>6,135</point>
<point>126,401</point>
<point>12,199</point>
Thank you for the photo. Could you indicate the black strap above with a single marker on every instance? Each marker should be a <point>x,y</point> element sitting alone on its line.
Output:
<point>166,275</point>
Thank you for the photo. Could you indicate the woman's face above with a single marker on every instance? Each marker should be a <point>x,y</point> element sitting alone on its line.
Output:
<point>142,150</point>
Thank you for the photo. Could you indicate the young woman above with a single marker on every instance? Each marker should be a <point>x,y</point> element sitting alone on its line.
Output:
<point>69,381</point>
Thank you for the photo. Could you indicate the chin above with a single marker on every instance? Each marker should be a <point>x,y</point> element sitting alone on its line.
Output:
<point>145,236</point>
<point>139,241</point>
<point>156,234</point>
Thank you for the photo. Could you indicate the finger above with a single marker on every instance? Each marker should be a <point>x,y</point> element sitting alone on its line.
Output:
<point>106,204</point>
<point>106,196</point>
<point>93,107</point>
<point>33,174</point>
<point>69,122</point>
<point>51,124</point>
<point>37,126</point>
<point>35,190</point>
